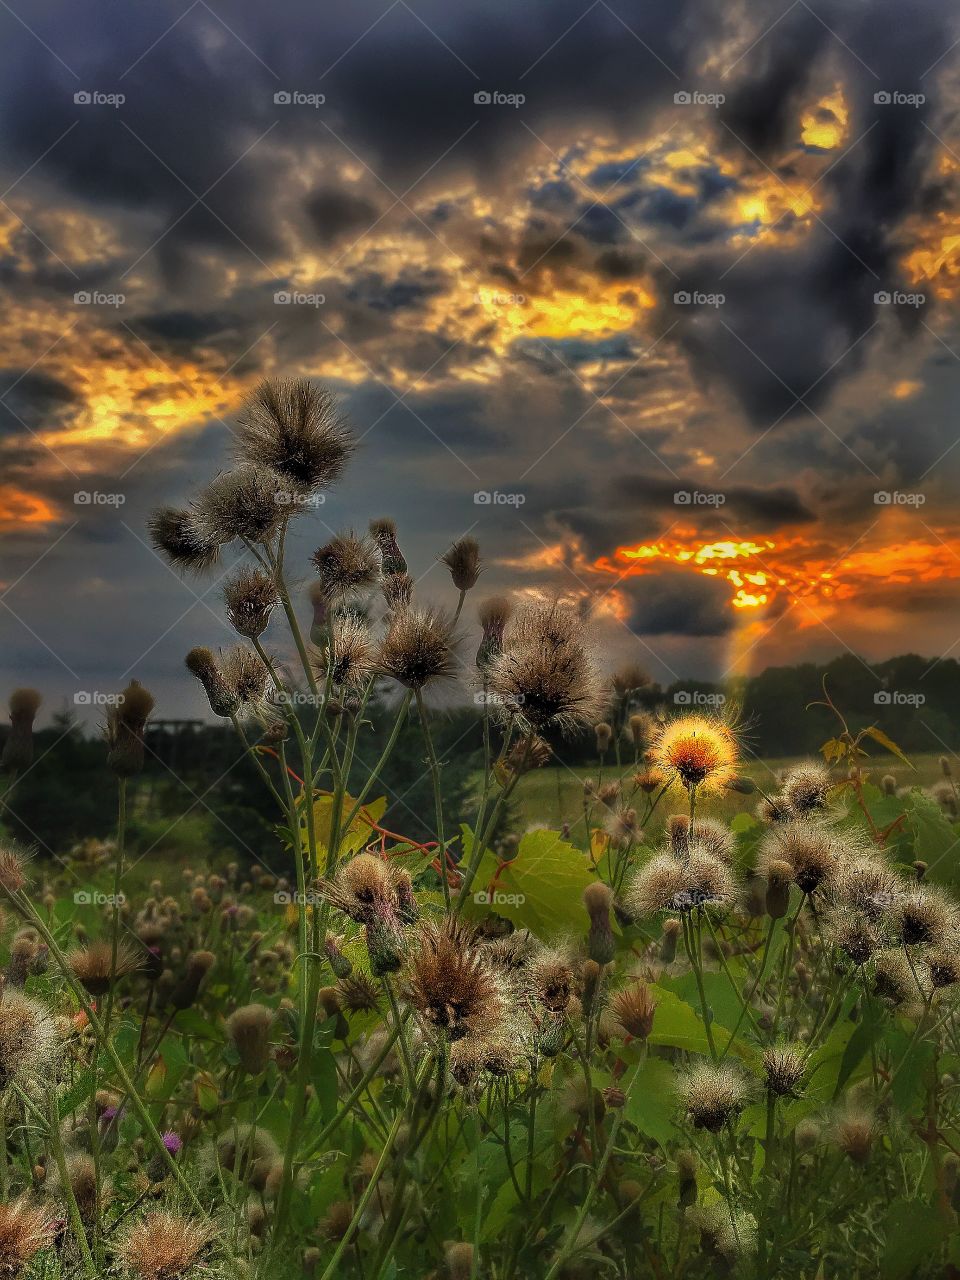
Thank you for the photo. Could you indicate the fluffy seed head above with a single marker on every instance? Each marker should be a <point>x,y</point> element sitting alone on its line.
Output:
<point>246,503</point>
<point>397,590</point>
<point>24,1230</point>
<point>811,852</point>
<point>250,596</point>
<point>463,561</point>
<point>712,1095</point>
<point>249,1031</point>
<point>223,699</point>
<point>854,933</point>
<point>805,789</point>
<point>93,965</point>
<point>784,1069</point>
<point>351,656</point>
<point>700,750</point>
<point>244,674</point>
<point>924,917</point>
<point>28,1040</point>
<point>667,883</point>
<point>629,679</point>
<point>451,984</point>
<point>294,426</point>
<point>178,535</point>
<point>362,889</point>
<point>551,980</point>
<point>162,1246</point>
<point>707,833</point>
<point>853,1132</point>
<point>634,1008</point>
<point>346,565</point>
<point>418,648</point>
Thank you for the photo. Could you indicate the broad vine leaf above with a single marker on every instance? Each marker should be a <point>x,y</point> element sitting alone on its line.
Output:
<point>652,1105</point>
<point>878,735</point>
<point>361,828</point>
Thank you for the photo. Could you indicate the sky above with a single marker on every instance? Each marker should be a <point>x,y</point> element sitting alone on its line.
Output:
<point>656,300</point>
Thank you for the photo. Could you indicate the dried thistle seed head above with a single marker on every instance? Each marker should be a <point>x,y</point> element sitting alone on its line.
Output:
<point>726,1234</point>
<point>179,537</point>
<point>295,427</point>
<point>610,794</point>
<point>772,809</point>
<point>924,917</point>
<point>805,789</point>
<point>649,780</point>
<point>629,679</point>
<point>248,1029</point>
<point>604,736</point>
<point>244,673</point>
<point>28,1040</point>
<point>623,827</point>
<point>659,885</point>
<point>545,676</point>
<point>642,729</point>
<point>124,730</point>
<point>346,565</point>
<point>251,596</point>
<point>854,933</point>
<point>162,1246</point>
<point>494,614</point>
<point>712,1095</point>
<point>247,503</point>
<point>93,965</point>
<point>784,1068</point>
<point>700,750</point>
<point>91,1194</point>
<point>525,756</point>
<point>897,979</point>
<point>668,942</point>
<point>853,1132</point>
<point>709,834</point>
<point>511,952</point>
<point>551,980</point>
<point>25,1228</point>
<point>601,944</point>
<point>944,965</point>
<point>187,988</point>
<point>458,1256</point>
<point>397,590</point>
<point>889,784</point>
<point>463,561</point>
<point>866,884</point>
<point>451,984</point>
<point>467,1060</point>
<point>811,851</point>
<point>223,699</point>
<point>634,1008</point>
<point>13,866</point>
<point>358,993</point>
<point>350,657</point>
<point>246,1151</point>
<point>18,748</point>
<point>418,649</point>
<point>362,889</point>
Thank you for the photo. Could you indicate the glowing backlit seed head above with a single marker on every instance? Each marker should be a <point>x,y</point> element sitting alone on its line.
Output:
<point>294,426</point>
<point>805,789</point>
<point>712,1095</point>
<point>162,1246</point>
<point>700,750</point>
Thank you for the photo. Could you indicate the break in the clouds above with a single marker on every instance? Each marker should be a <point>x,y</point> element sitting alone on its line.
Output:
<point>673,285</point>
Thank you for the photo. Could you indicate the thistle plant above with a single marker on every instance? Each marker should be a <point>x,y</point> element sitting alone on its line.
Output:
<point>706,1026</point>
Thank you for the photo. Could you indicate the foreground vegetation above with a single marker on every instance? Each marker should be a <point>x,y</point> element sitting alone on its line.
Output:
<point>702,1024</point>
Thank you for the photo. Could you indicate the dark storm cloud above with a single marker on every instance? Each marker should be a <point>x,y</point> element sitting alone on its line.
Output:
<point>31,400</point>
<point>675,603</point>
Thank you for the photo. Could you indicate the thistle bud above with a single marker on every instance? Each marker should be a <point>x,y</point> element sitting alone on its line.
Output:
<point>494,614</point>
<point>224,700</point>
<point>125,728</point>
<point>186,990</point>
<point>463,561</point>
<point>889,784</point>
<point>743,786</point>
<point>779,875</point>
<point>18,748</point>
<point>384,534</point>
<point>339,963</point>
<point>668,940</point>
<point>945,767</point>
<point>601,944</point>
<point>688,1163</point>
<point>459,1259</point>
<point>604,735</point>
<point>248,1029</point>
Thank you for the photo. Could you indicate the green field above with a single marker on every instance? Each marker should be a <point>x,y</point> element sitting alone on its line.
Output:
<point>554,795</point>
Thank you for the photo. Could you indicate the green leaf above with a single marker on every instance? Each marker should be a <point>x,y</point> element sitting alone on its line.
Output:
<point>913,1231</point>
<point>680,1026</point>
<point>652,1104</point>
<point>541,889</point>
